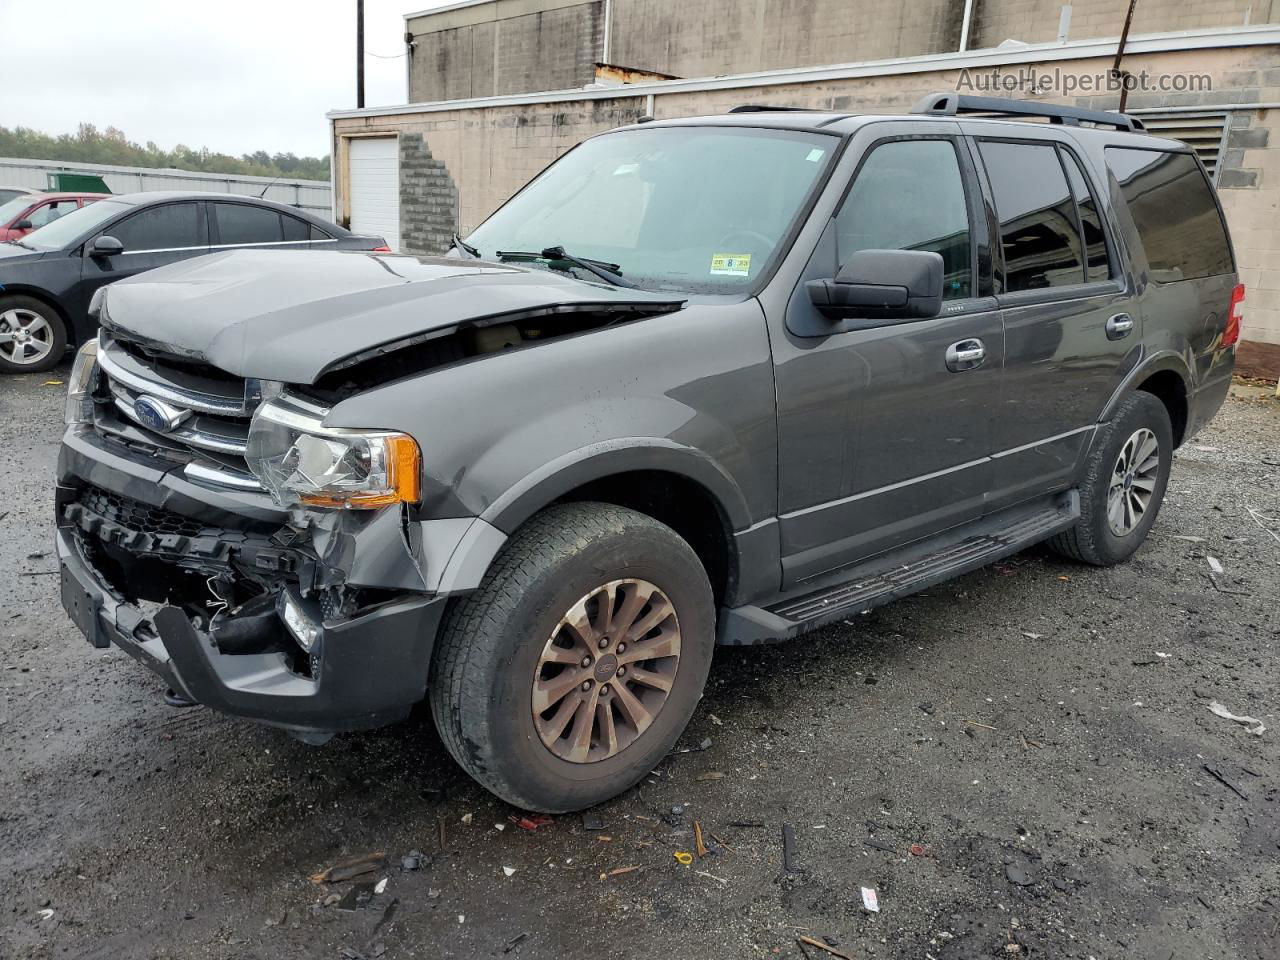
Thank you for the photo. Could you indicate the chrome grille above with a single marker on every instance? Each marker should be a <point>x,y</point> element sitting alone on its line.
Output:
<point>212,436</point>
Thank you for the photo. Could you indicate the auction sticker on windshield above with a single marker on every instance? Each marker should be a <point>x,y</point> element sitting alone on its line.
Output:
<point>730,264</point>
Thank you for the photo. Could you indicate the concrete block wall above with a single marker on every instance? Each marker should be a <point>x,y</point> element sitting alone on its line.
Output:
<point>428,199</point>
<point>523,46</point>
<point>1036,21</point>
<point>735,36</point>
<point>490,153</point>
<point>543,49</point>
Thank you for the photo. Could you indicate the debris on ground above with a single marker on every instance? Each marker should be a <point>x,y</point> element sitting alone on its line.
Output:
<point>45,914</point>
<point>711,876</point>
<point>710,775</point>
<point>381,886</point>
<point>509,871</point>
<point>917,850</point>
<point>1255,726</point>
<point>683,857</point>
<point>789,849</point>
<point>1019,875</point>
<point>809,941</point>
<point>698,845</point>
<point>880,845</point>
<point>532,822</point>
<point>1215,564</point>
<point>514,942</point>
<point>618,872</point>
<point>870,900</point>
<point>1221,778</point>
<point>927,707</point>
<point>349,869</point>
<point>357,898</point>
<point>720,842</point>
<point>593,822</point>
<point>413,860</point>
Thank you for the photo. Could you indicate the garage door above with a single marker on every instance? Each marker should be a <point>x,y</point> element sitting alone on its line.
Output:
<point>374,165</point>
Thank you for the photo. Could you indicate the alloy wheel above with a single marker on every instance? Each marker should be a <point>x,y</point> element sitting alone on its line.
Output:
<point>25,337</point>
<point>606,671</point>
<point>1133,482</point>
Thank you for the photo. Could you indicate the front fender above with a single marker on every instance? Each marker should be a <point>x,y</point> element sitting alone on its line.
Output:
<point>608,458</point>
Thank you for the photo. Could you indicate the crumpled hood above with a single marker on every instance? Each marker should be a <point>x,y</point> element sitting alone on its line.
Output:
<point>289,315</point>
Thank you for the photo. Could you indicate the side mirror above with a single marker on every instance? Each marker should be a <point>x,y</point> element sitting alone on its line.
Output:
<point>882,285</point>
<point>105,246</point>
<point>21,225</point>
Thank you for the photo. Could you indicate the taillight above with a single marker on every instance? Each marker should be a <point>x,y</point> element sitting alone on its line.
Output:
<point>382,249</point>
<point>1235,316</point>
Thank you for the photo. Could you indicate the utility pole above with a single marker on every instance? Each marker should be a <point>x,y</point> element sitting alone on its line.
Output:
<point>359,54</point>
<point>1123,75</point>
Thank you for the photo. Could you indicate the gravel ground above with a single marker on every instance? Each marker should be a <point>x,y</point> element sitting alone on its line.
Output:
<point>1017,762</point>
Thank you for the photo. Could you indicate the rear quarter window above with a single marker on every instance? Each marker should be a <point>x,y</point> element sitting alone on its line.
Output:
<point>1174,211</point>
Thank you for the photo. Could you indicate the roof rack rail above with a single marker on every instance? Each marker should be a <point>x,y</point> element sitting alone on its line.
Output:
<point>769,108</point>
<point>950,104</point>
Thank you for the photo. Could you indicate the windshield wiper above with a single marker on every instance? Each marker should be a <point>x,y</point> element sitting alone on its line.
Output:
<point>466,247</point>
<point>608,272</point>
<point>24,246</point>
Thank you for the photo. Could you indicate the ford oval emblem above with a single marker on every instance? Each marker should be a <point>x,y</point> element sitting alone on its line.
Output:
<point>158,415</point>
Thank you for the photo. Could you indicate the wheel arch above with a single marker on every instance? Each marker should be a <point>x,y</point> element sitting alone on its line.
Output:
<point>1167,377</point>
<point>675,485</point>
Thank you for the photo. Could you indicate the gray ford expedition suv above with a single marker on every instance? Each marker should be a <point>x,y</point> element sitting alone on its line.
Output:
<point>721,379</point>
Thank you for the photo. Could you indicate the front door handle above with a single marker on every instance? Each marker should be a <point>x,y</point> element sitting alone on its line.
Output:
<point>965,355</point>
<point>1118,327</point>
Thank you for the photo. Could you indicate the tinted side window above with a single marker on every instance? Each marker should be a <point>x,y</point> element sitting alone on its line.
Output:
<point>1095,240</point>
<point>174,225</point>
<point>1038,231</point>
<point>318,234</point>
<point>909,195</point>
<point>1173,208</point>
<point>240,223</point>
<point>295,231</point>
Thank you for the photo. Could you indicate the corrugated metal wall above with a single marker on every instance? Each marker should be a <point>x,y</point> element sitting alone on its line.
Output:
<point>310,195</point>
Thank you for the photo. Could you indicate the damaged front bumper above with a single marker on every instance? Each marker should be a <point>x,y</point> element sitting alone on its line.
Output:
<point>141,551</point>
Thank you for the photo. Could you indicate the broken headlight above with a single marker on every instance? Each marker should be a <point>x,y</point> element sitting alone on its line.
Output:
<point>302,462</point>
<point>84,374</point>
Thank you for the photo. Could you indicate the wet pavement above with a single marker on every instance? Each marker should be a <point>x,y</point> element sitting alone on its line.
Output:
<point>1019,763</point>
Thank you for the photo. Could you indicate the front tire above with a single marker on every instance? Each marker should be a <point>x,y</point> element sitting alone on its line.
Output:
<point>574,668</point>
<point>33,337</point>
<point>1124,484</point>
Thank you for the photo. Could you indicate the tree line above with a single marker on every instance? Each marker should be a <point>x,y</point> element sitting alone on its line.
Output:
<point>111,146</point>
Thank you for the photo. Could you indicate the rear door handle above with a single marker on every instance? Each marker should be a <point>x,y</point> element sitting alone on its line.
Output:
<point>965,355</point>
<point>1118,327</point>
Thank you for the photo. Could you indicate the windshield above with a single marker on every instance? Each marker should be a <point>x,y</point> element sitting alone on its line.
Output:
<point>696,209</point>
<point>75,226</point>
<point>14,207</point>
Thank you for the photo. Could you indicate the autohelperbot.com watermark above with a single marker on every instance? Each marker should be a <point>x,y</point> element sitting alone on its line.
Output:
<point>1041,81</point>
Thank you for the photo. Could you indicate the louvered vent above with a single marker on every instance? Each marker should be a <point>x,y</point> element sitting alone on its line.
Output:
<point>1204,132</point>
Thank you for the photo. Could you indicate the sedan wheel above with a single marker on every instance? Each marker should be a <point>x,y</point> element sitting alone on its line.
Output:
<point>26,337</point>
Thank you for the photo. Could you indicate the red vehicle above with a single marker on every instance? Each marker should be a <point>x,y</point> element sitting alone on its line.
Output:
<point>21,215</point>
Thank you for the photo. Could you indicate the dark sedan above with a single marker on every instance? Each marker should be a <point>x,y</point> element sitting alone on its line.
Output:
<point>48,277</point>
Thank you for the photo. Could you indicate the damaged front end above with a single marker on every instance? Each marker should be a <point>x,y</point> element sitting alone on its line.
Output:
<point>316,620</point>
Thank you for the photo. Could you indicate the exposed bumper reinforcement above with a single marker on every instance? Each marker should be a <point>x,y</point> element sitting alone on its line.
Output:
<point>371,669</point>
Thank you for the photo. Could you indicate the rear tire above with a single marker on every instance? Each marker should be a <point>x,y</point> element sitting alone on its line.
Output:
<point>541,688</point>
<point>1123,485</point>
<point>33,337</point>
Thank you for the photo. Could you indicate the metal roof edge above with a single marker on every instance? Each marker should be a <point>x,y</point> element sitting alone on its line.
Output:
<point>1260,35</point>
<point>461,4</point>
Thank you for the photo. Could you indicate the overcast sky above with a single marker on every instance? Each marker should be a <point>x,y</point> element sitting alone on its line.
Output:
<point>241,76</point>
